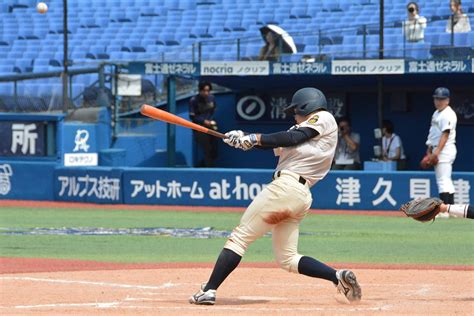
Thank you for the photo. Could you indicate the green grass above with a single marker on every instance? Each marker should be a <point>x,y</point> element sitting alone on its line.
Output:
<point>337,238</point>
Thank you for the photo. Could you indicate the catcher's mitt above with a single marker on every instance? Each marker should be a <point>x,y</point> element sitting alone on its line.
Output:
<point>428,161</point>
<point>422,210</point>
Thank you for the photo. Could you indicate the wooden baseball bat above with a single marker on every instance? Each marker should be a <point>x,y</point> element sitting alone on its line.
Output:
<point>161,115</point>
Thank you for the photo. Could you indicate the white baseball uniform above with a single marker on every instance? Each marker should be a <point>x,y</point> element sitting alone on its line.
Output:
<point>284,202</point>
<point>442,121</point>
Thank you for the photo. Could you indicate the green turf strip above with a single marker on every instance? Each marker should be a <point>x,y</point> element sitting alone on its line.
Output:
<point>337,238</point>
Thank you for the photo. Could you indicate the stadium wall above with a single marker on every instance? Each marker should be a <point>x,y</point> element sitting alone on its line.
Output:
<point>367,190</point>
<point>144,142</point>
<point>412,124</point>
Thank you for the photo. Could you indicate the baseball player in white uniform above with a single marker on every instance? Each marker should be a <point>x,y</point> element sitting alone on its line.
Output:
<point>441,142</point>
<point>305,153</point>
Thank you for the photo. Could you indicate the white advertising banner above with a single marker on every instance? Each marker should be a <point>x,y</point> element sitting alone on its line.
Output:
<point>368,67</point>
<point>235,68</point>
<point>79,160</point>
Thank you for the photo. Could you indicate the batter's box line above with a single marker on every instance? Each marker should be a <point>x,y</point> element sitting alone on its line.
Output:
<point>283,309</point>
<point>166,285</point>
<point>114,304</point>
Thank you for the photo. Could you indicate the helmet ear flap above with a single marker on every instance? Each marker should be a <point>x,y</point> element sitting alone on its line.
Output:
<point>302,107</point>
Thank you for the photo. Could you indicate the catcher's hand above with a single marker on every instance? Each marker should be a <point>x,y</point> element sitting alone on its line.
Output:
<point>428,161</point>
<point>422,210</point>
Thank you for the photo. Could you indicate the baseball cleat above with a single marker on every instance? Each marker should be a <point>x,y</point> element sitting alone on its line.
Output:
<point>203,298</point>
<point>348,289</point>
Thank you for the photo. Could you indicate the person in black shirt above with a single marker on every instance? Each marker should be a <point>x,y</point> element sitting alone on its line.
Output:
<point>201,111</point>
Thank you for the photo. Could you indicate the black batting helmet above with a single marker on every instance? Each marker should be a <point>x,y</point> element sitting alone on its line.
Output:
<point>305,101</point>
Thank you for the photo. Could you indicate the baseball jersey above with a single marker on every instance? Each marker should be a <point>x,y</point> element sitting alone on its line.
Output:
<point>442,121</point>
<point>311,159</point>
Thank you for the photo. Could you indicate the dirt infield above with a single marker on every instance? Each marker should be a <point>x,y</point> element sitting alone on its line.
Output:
<point>73,287</point>
<point>164,289</point>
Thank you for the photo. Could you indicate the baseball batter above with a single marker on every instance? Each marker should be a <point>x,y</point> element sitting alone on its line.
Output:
<point>441,142</point>
<point>305,153</point>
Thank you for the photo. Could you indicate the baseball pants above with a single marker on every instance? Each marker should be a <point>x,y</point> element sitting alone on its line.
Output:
<point>278,208</point>
<point>444,169</point>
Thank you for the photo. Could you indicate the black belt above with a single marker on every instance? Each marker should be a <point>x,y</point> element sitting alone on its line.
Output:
<point>300,179</point>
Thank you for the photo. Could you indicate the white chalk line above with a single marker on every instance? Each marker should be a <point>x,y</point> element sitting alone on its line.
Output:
<point>244,298</point>
<point>96,305</point>
<point>298,285</point>
<point>143,299</point>
<point>119,305</point>
<point>261,298</point>
<point>116,304</point>
<point>118,285</point>
<point>424,290</point>
<point>275,309</point>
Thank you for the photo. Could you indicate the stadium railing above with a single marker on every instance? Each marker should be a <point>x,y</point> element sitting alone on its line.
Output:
<point>360,42</point>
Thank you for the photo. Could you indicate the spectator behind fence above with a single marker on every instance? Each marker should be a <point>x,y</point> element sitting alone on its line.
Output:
<point>347,151</point>
<point>414,26</point>
<point>392,147</point>
<point>201,111</point>
<point>458,22</point>
<point>271,50</point>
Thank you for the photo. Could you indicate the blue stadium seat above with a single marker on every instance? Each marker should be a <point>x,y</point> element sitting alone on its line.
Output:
<point>461,39</point>
<point>470,39</point>
<point>137,26</point>
<point>444,39</point>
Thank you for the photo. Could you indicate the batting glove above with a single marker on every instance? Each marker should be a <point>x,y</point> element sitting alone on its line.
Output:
<point>232,138</point>
<point>247,142</point>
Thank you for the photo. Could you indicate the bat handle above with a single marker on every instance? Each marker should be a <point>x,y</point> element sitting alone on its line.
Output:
<point>216,134</point>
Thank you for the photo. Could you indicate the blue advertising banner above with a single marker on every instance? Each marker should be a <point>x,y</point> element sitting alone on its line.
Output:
<point>79,144</point>
<point>339,190</point>
<point>269,107</point>
<point>463,105</point>
<point>383,191</point>
<point>438,66</point>
<point>219,187</point>
<point>335,67</point>
<point>151,68</point>
<point>93,185</point>
<point>26,180</point>
<point>316,68</point>
<point>22,139</point>
<point>346,190</point>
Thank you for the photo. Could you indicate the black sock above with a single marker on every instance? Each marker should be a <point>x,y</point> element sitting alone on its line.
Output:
<point>313,268</point>
<point>470,212</point>
<point>444,196</point>
<point>451,198</point>
<point>225,264</point>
